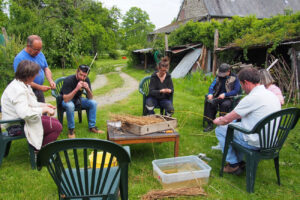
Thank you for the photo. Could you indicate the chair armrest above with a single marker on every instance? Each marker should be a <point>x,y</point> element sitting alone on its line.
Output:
<point>236,127</point>
<point>53,93</point>
<point>141,91</point>
<point>12,121</point>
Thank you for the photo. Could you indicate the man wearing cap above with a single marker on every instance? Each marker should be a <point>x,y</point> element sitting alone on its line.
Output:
<point>71,92</point>
<point>224,86</point>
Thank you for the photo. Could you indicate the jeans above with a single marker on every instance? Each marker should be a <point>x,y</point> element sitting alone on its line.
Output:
<point>166,104</point>
<point>211,108</point>
<point>233,156</point>
<point>89,104</point>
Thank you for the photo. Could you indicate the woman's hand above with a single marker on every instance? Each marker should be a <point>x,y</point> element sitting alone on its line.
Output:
<point>49,111</point>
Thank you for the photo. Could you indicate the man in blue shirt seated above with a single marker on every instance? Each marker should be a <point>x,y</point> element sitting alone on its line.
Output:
<point>224,86</point>
<point>33,53</point>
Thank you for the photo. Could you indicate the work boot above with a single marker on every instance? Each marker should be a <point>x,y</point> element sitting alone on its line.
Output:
<point>71,134</point>
<point>209,128</point>
<point>96,130</point>
<point>237,170</point>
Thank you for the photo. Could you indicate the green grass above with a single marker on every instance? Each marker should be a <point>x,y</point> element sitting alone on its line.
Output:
<point>113,81</point>
<point>18,181</point>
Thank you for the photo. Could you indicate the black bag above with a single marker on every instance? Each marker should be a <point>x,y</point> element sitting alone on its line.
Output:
<point>15,130</point>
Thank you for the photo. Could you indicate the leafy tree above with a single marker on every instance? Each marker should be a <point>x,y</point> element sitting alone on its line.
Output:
<point>136,26</point>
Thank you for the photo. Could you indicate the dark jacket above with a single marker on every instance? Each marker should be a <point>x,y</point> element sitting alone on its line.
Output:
<point>155,86</point>
<point>232,86</point>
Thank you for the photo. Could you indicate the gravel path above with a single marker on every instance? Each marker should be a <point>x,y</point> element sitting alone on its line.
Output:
<point>130,85</point>
<point>118,94</point>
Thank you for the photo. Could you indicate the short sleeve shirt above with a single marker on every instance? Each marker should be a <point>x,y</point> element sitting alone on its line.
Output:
<point>70,84</point>
<point>259,103</point>
<point>39,59</point>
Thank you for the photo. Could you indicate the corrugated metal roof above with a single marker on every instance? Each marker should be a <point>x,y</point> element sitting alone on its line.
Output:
<point>186,64</point>
<point>143,50</point>
<point>260,8</point>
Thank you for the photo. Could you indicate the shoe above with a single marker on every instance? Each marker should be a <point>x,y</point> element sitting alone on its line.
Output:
<point>217,147</point>
<point>71,134</point>
<point>233,170</point>
<point>242,165</point>
<point>96,130</point>
<point>209,128</point>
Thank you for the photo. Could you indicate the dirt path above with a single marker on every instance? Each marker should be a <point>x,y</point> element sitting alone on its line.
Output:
<point>117,94</point>
<point>130,85</point>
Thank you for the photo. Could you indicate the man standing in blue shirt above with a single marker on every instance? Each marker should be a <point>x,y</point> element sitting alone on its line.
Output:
<point>33,53</point>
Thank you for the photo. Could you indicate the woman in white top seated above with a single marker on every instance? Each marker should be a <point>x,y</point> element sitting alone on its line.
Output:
<point>19,101</point>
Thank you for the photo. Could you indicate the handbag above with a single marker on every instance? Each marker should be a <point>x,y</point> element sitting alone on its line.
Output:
<point>15,130</point>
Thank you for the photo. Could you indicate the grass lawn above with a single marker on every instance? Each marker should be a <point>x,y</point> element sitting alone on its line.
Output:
<point>18,181</point>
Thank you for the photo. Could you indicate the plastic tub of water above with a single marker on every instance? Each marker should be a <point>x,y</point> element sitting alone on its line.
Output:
<point>186,171</point>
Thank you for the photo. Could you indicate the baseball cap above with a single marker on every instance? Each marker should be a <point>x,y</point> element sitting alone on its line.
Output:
<point>223,69</point>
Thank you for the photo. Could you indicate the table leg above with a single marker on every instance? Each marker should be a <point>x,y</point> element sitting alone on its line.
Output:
<point>176,146</point>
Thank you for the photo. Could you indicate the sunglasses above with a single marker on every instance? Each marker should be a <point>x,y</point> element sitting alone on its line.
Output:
<point>84,68</point>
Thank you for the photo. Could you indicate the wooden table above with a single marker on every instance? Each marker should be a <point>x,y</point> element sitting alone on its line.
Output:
<point>123,137</point>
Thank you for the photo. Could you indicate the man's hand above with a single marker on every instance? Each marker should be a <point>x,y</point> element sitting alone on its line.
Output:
<point>85,85</point>
<point>52,84</point>
<point>44,88</point>
<point>219,121</point>
<point>79,85</point>
<point>221,96</point>
<point>50,106</point>
<point>210,97</point>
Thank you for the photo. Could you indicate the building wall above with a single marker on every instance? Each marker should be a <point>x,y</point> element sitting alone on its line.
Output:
<point>192,9</point>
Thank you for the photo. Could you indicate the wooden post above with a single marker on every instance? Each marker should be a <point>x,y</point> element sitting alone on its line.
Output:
<point>295,71</point>
<point>166,43</point>
<point>4,34</point>
<point>145,67</point>
<point>216,43</point>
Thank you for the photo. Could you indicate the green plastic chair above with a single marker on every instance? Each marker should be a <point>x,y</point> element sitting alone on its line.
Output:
<point>144,90</point>
<point>272,131</point>
<point>68,164</point>
<point>60,110</point>
<point>6,140</point>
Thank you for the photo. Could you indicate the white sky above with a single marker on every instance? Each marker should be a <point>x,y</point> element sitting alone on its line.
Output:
<point>161,12</point>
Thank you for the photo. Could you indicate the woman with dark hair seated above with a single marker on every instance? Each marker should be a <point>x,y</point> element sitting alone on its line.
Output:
<point>161,89</point>
<point>19,101</point>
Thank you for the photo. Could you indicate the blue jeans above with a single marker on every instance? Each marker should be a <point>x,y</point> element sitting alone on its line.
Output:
<point>233,156</point>
<point>166,104</point>
<point>89,104</point>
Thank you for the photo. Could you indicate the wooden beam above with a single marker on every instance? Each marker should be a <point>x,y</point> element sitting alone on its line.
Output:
<point>216,43</point>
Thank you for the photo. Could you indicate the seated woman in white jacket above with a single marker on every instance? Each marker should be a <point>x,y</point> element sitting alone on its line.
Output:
<point>19,101</point>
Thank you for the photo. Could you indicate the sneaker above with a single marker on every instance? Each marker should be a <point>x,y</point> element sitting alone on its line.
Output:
<point>71,134</point>
<point>217,147</point>
<point>96,130</point>
<point>233,170</point>
<point>209,128</point>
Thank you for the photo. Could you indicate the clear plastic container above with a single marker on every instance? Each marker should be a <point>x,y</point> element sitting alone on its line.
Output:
<point>178,172</point>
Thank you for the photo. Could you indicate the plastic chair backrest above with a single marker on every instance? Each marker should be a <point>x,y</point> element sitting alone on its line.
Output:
<point>144,85</point>
<point>59,83</point>
<point>67,162</point>
<point>274,129</point>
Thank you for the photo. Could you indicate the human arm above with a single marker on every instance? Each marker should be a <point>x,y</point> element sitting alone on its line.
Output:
<point>87,86</point>
<point>227,118</point>
<point>69,96</point>
<point>276,90</point>
<point>36,86</point>
<point>48,74</point>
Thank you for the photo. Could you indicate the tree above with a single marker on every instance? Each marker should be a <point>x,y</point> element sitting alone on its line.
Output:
<point>136,26</point>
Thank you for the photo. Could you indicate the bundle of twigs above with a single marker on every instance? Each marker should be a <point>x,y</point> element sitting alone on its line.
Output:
<point>285,78</point>
<point>138,120</point>
<point>171,193</point>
